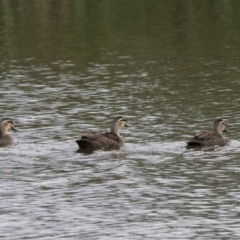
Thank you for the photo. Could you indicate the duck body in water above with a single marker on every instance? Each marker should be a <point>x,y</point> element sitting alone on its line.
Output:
<point>6,124</point>
<point>104,140</point>
<point>210,139</point>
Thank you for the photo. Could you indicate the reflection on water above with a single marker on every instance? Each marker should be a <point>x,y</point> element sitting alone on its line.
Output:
<point>70,67</point>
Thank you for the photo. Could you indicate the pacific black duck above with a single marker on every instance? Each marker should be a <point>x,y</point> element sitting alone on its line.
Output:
<point>104,140</point>
<point>210,139</point>
<point>6,124</point>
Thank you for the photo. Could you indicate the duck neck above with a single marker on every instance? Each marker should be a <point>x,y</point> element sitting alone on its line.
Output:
<point>115,130</point>
<point>3,132</point>
<point>217,130</point>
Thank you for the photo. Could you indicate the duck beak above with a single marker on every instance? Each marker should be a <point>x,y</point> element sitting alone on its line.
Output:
<point>15,130</point>
<point>126,125</point>
<point>225,130</point>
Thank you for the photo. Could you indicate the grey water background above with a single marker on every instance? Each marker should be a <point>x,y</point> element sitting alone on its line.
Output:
<point>170,68</point>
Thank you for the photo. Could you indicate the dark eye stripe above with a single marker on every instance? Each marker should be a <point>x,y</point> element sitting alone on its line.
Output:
<point>10,122</point>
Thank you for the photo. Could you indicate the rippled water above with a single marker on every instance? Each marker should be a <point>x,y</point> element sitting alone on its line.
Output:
<point>169,79</point>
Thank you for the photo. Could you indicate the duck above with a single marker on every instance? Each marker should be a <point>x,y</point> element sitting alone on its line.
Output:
<point>210,139</point>
<point>104,140</point>
<point>6,124</point>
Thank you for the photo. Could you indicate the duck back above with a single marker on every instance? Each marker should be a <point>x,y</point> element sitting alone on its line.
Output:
<point>207,139</point>
<point>103,140</point>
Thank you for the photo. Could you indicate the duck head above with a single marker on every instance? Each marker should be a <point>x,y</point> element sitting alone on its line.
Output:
<point>220,126</point>
<point>117,124</point>
<point>6,124</point>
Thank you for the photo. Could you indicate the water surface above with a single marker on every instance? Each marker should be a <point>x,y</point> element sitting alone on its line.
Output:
<point>170,68</point>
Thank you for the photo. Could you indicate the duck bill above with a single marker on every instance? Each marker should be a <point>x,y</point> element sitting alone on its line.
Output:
<point>14,129</point>
<point>225,130</point>
<point>126,125</point>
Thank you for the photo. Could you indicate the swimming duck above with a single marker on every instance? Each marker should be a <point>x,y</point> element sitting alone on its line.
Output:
<point>104,140</point>
<point>210,139</point>
<point>6,124</point>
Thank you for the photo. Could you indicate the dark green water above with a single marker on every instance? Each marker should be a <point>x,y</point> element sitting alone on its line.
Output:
<point>170,68</point>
